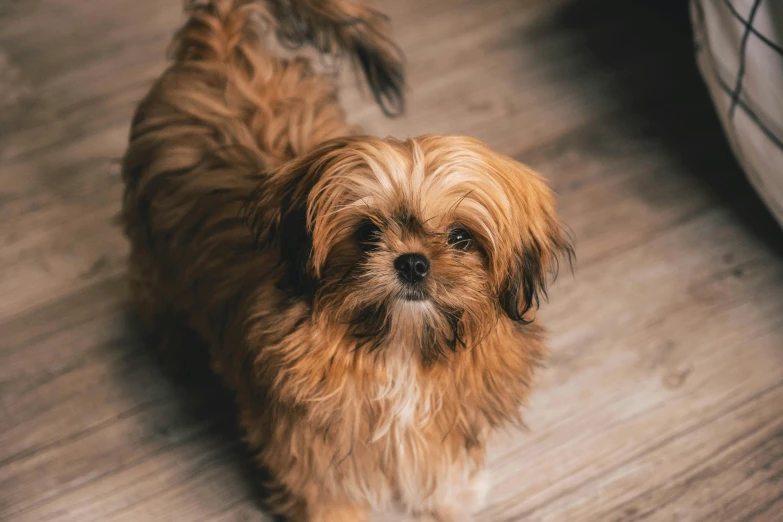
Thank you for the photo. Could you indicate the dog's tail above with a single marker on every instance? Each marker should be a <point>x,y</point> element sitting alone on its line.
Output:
<point>356,28</point>
<point>336,27</point>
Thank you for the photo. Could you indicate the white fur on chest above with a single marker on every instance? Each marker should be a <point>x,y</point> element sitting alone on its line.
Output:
<point>402,399</point>
<point>417,469</point>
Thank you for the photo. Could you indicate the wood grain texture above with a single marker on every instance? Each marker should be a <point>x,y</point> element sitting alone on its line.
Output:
<point>663,399</point>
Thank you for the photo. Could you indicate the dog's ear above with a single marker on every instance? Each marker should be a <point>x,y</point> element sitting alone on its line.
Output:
<point>535,263</point>
<point>530,242</point>
<point>278,211</point>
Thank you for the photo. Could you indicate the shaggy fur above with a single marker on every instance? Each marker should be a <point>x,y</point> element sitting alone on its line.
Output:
<point>265,228</point>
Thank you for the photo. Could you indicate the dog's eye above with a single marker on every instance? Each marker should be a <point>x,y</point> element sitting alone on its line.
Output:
<point>460,238</point>
<point>368,235</point>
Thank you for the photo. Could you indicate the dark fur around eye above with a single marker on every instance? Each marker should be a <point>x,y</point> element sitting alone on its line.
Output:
<point>460,238</point>
<point>368,235</point>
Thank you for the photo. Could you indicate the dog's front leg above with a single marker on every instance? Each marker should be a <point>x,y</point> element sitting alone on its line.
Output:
<point>464,502</point>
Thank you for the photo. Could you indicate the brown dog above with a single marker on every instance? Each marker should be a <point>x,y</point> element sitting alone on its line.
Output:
<point>366,299</point>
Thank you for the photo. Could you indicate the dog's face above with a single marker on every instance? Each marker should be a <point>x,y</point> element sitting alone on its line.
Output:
<point>432,240</point>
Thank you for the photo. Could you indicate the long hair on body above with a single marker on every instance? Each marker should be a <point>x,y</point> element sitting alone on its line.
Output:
<point>369,301</point>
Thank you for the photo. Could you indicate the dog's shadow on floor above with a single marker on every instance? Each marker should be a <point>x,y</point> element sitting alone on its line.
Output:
<point>200,398</point>
<point>651,42</point>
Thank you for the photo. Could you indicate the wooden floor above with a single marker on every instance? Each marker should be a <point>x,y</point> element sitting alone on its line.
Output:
<point>663,399</point>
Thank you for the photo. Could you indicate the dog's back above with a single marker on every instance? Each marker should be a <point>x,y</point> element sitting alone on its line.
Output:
<point>228,110</point>
<point>226,82</point>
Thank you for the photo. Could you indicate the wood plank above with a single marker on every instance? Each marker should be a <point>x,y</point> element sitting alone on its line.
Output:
<point>651,454</point>
<point>741,448</point>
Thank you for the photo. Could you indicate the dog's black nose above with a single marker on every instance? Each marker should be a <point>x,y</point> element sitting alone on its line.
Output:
<point>412,267</point>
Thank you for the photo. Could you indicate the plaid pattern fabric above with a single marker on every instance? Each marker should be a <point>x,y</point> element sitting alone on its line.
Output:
<point>739,51</point>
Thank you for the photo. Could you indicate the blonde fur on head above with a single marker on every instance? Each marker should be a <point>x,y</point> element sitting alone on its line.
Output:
<point>368,300</point>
